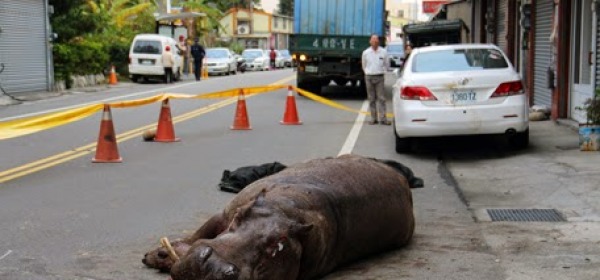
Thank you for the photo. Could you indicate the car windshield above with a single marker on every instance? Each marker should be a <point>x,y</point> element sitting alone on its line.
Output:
<point>396,48</point>
<point>216,53</point>
<point>458,60</point>
<point>148,47</point>
<point>285,53</point>
<point>252,54</point>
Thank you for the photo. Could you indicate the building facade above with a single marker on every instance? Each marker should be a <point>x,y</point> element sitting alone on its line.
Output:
<point>256,28</point>
<point>552,43</point>
<point>25,48</point>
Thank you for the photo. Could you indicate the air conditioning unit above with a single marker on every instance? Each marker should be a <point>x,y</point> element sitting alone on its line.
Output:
<point>243,29</point>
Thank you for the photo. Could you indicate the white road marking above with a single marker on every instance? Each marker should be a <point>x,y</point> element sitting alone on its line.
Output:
<point>355,131</point>
<point>98,101</point>
<point>6,255</point>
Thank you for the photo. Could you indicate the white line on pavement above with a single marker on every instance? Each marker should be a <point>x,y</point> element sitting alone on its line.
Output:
<point>355,131</point>
<point>6,255</point>
<point>98,101</point>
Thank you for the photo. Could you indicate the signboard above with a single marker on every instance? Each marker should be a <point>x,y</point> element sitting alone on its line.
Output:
<point>431,7</point>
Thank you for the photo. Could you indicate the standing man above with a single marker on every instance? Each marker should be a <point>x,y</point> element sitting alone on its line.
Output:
<point>168,62</point>
<point>272,58</point>
<point>198,54</point>
<point>183,52</point>
<point>375,63</point>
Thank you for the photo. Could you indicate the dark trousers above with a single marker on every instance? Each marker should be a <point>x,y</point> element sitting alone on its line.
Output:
<point>197,68</point>
<point>168,75</point>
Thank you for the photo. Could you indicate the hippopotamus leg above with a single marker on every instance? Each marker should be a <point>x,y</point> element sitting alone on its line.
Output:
<point>160,259</point>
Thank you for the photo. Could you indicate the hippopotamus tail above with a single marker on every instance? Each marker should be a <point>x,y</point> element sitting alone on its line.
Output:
<point>413,181</point>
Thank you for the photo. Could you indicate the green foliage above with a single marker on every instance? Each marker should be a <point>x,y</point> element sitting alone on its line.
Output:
<point>236,47</point>
<point>93,34</point>
<point>286,7</point>
<point>592,108</point>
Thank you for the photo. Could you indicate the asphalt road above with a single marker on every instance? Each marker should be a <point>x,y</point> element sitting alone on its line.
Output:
<point>68,218</point>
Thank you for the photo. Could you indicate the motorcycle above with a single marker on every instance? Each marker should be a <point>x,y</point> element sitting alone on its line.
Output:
<point>241,64</point>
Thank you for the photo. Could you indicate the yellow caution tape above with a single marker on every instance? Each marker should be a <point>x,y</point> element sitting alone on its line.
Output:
<point>20,127</point>
<point>24,126</point>
<point>333,104</point>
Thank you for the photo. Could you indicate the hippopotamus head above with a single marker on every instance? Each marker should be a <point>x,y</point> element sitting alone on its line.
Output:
<point>260,243</point>
<point>161,259</point>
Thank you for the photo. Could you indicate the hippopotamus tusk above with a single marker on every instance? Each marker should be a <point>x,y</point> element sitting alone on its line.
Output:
<point>165,242</point>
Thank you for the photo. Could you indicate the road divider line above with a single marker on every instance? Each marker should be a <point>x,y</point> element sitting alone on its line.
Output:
<point>355,131</point>
<point>54,160</point>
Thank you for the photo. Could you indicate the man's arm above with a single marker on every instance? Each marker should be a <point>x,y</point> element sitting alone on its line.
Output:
<point>364,61</point>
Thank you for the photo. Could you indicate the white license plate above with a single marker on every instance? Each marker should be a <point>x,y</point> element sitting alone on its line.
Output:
<point>464,97</point>
<point>312,69</point>
<point>146,62</point>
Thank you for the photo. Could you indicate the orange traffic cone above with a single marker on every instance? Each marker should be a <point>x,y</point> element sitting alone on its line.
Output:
<point>290,117</point>
<point>204,70</point>
<point>165,131</point>
<point>106,148</point>
<point>241,121</point>
<point>113,76</point>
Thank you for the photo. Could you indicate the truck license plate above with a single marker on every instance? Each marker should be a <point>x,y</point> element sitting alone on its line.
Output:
<point>312,69</point>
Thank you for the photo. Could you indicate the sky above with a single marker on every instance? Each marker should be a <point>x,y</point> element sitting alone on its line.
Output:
<point>269,5</point>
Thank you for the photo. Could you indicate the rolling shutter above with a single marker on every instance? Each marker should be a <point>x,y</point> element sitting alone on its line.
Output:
<point>23,46</point>
<point>542,95</point>
<point>597,49</point>
<point>501,25</point>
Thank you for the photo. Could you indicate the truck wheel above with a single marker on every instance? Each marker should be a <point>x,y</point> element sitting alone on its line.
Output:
<point>340,81</point>
<point>362,88</point>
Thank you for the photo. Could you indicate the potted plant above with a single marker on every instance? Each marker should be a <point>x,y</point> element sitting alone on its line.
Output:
<point>589,133</point>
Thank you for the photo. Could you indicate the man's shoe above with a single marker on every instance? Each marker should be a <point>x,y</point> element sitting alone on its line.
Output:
<point>373,122</point>
<point>386,122</point>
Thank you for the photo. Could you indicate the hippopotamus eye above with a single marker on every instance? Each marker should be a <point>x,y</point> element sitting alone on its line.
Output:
<point>162,254</point>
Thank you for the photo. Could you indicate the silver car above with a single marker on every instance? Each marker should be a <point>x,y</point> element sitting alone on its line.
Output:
<point>256,59</point>
<point>220,61</point>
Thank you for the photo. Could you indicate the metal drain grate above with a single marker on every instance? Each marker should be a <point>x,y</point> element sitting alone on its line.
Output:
<point>525,215</point>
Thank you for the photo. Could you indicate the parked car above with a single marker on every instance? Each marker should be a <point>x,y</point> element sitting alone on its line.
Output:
<point>145,57</point>
<point>279,61</point>
<point>395,52</point>
<point>286,57</point>
<point>256,59</point>
<point>462,89</point>
<point>220,61</point>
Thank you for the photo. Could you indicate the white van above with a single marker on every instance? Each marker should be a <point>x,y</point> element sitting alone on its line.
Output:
<point>145,57</point>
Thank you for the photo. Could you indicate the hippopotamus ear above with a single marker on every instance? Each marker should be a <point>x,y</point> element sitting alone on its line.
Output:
<point>299,229</point>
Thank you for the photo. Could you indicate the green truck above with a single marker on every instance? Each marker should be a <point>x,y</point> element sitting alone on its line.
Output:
<point>436,32</point>
<point>329,38</point>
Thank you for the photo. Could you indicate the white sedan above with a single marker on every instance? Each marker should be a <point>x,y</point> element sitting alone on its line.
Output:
<point>465,89</point>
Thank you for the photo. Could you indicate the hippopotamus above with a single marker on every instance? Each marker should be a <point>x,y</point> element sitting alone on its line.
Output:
<point>300,223</point>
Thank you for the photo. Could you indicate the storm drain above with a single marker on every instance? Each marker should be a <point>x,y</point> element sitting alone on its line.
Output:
<point>525,215</point>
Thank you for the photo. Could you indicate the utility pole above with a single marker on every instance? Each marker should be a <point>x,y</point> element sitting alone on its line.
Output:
<point>168,6</point>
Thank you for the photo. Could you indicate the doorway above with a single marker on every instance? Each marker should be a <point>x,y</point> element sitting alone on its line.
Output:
<point>582,57</point>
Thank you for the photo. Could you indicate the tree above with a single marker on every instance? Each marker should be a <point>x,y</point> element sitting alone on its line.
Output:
<point>286,7</point>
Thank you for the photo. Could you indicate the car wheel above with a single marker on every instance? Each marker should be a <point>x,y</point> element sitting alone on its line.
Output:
<point>402,144</point>
<point>135,78</point>
<point>520,140</point>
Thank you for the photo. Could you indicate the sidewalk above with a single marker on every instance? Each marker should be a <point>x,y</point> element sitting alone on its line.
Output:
<point>551,174</point>
<point>18,98</point>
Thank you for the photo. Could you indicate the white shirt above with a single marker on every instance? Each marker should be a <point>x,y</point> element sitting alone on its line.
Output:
<point>375,62</point>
